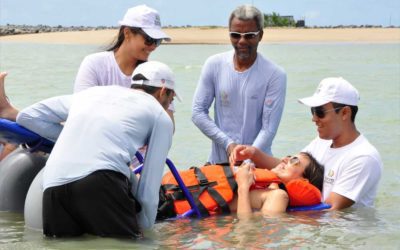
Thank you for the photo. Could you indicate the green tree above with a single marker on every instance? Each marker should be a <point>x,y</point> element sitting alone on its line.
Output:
<point>275,20</point>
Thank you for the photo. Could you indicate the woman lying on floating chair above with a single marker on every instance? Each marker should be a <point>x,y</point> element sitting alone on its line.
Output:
<point>295,181</point>
<point>213,188</point>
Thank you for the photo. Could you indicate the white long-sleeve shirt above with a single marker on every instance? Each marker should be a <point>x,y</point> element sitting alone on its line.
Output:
<point>247,105</point>
<point>104,128</point>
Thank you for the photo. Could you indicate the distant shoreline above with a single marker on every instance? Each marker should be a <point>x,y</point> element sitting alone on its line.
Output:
<point>13,29</point>
<point>219,35</point>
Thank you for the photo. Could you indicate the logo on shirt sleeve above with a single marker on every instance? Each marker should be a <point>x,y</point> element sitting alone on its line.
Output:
<point>269,103</point>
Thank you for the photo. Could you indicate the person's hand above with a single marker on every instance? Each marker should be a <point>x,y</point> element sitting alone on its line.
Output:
<point>241,153</point>
<point>230,149</point>
<point>245,176</point>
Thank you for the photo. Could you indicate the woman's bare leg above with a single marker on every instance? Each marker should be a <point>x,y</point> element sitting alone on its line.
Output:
<point>7,111</point>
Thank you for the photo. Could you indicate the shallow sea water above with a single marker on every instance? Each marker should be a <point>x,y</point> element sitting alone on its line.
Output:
<point>38,71</point>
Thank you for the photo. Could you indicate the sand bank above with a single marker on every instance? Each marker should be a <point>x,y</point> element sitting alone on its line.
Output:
<point>220,36</point>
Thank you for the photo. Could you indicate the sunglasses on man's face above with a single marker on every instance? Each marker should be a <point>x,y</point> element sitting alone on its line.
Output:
<point>320,111</point>
<point>149,41</point>
<point>247,35</point>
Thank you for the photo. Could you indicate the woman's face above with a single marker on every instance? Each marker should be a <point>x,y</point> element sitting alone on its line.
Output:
<point>137,47</point>
<point>291,168</point>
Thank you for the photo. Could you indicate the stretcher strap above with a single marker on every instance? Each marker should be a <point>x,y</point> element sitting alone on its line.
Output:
<point>203,181</point>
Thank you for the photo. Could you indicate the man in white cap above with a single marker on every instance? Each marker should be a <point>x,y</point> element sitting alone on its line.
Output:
<point>88,185</point>
<point>352,165</point>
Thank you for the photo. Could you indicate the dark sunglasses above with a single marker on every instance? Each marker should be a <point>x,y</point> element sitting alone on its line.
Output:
<point>294,160</point>
<point>247,35</point>
<point>149,41</point>
<point>320,111</point>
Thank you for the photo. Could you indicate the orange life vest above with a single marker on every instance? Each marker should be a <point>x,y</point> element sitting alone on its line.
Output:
<point>214,186</point>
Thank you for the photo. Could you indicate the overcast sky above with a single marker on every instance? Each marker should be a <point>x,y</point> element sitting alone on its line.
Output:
<point>197,12</point>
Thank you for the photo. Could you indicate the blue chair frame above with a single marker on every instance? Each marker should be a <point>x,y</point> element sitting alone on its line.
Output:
<point>195,210</point>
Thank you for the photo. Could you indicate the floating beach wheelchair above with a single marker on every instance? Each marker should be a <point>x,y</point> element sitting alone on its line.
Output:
<point>21,178</point>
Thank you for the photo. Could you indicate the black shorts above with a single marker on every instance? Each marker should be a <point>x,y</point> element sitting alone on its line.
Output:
<point>101,204</point>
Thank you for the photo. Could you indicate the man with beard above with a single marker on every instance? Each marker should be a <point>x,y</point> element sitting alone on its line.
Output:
<point>247,89</point>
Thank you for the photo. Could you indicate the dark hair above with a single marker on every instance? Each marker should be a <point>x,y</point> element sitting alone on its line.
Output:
<point>354,109</point>
<point>146,88</point>
<point>117,41</point>
<point>314,171</point>
<point>114,45</point>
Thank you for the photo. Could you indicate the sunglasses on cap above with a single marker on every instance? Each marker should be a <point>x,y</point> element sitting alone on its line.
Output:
<point>320,111</point>
<point>247,35</point>
<point>149,41</point>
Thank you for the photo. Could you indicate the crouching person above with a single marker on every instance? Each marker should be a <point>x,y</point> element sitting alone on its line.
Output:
<point>88,185</point>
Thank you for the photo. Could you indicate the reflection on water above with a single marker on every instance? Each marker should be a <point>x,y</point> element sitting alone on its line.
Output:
<point>221,231</point>
<point>342,229</point>
<point>301,229</point>
<point>11,227</point>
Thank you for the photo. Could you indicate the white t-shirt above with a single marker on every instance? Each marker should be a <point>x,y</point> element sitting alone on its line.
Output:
<point>101,69</point>
<point>352,171</point>
<point>104,128</point>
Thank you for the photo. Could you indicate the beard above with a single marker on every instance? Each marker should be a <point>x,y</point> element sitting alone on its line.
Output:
<point>245,52</point>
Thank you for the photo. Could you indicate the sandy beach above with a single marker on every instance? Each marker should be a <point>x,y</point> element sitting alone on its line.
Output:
<point>220,36</point>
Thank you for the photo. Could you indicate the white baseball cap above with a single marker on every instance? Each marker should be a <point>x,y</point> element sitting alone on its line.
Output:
<point>333,89</point>
<point>147,19</point>
<point>157,74</point>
